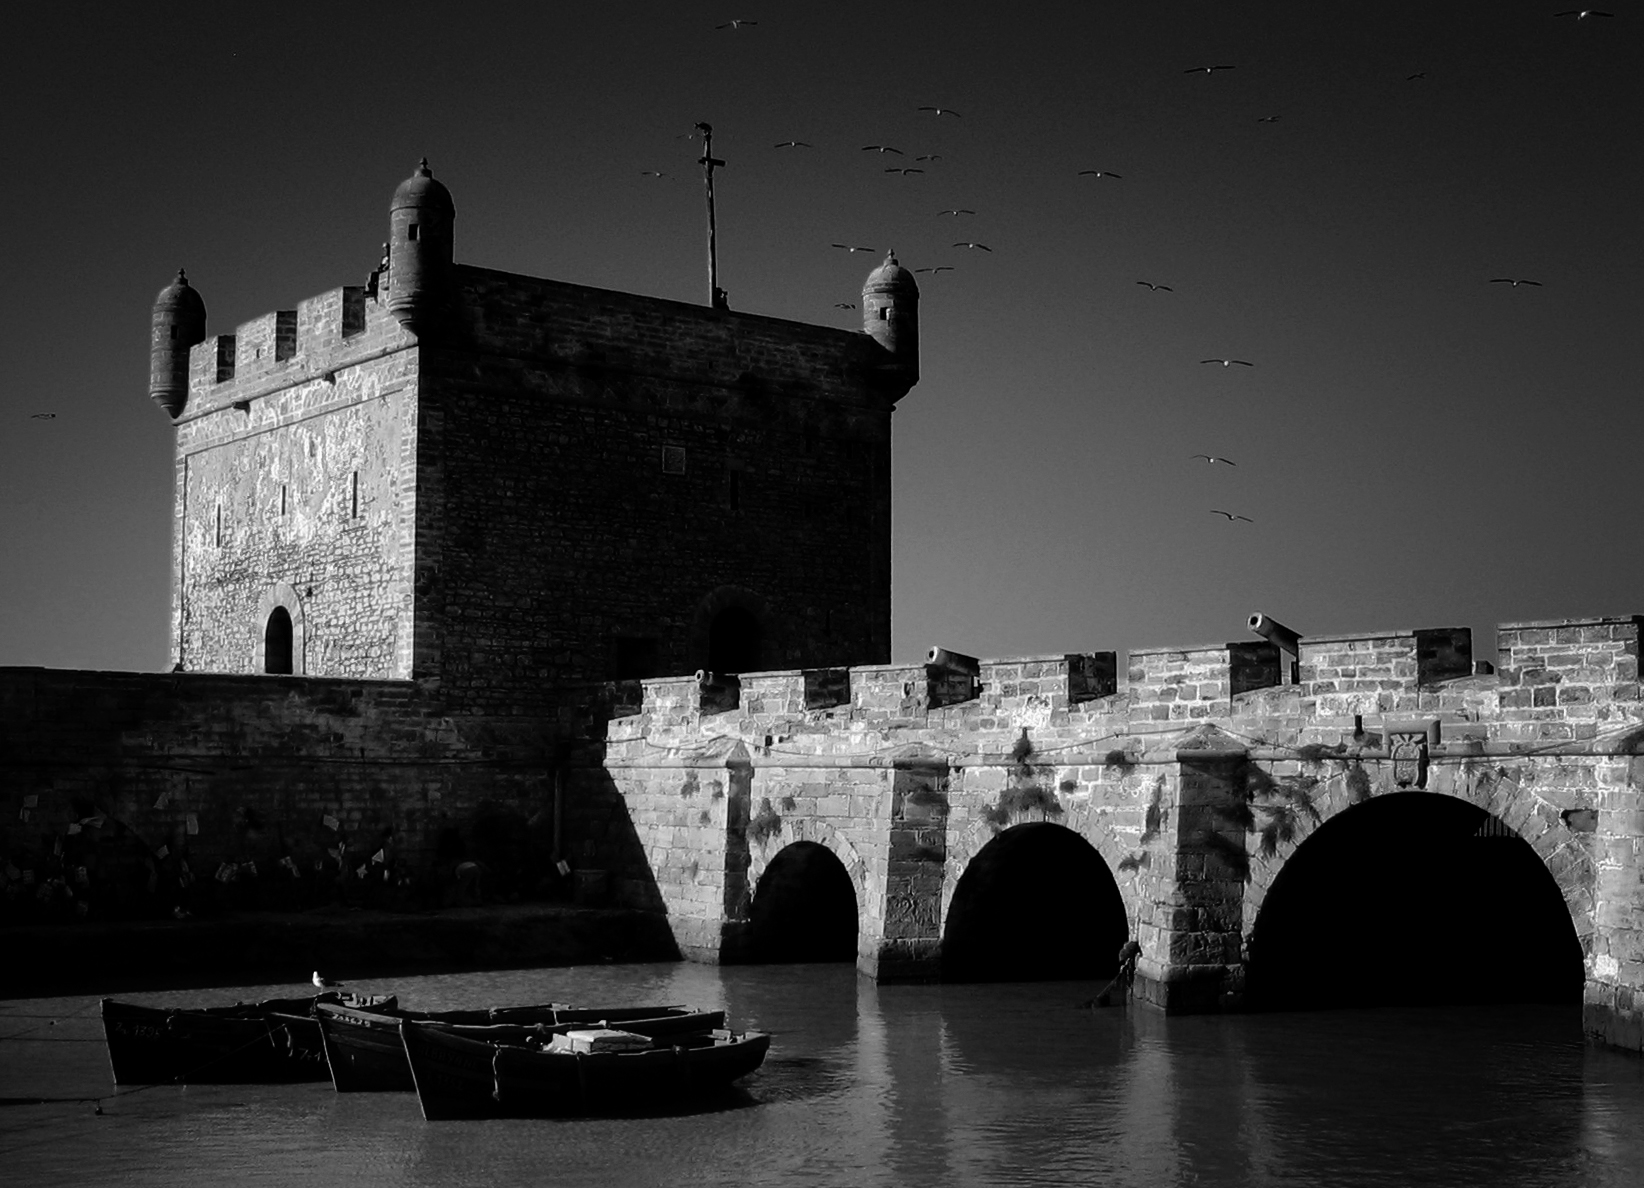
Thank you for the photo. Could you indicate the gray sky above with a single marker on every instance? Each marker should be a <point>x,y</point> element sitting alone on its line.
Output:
<point>1415,445</point>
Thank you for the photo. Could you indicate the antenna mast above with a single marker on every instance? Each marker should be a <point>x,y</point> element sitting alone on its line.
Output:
<point>716,295</point>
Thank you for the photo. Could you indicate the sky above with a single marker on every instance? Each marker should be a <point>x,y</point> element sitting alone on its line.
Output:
<point>1414,446</point>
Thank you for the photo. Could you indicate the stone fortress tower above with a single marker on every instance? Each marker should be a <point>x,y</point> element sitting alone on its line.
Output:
<point>503,482</point>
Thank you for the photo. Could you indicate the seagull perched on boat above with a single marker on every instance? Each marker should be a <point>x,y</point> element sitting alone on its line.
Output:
<point>1211,458</point>
<point>1507,280</point>
<point>324,983</point>
<point>1230,516</point>
<point>1155,287</point>
<point>1228,362</point>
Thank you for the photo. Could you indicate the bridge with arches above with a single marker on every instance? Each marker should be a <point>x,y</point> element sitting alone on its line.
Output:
<point>1364,831</point>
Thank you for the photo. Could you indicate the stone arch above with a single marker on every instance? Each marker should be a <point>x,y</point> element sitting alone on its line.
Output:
<point>1490,788</point>
<point>721,605</point>
<point>1080,819</point>
<point>281,596</point>
<point>809,829</point>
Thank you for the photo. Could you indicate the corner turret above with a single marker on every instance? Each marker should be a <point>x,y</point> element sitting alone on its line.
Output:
<point>421,222</point>
<point>890,316</point>
<point>179,323</point>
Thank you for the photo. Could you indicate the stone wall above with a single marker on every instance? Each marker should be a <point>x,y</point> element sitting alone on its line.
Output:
<point>296,486</point>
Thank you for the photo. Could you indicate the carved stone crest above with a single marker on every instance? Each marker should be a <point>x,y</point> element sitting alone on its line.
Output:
<point>1409,751</point>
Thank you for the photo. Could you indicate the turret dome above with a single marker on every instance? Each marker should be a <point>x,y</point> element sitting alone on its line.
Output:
<point>889,275</point>
<point>424,191</point>
<point>179,323</point>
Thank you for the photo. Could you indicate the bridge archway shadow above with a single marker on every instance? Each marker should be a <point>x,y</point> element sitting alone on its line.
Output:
<point>1413,899</point>
<point>1037,903</point>
<point>804,908</point>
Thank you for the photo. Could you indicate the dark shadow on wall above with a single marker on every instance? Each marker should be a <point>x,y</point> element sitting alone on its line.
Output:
<point>1037,903</point>
<point>1413,898</point>
<point>804,908</point>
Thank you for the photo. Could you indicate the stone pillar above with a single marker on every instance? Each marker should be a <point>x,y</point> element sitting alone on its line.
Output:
<point>909,947</point>
<point>1193,960</point>
<point>1613,1001</point>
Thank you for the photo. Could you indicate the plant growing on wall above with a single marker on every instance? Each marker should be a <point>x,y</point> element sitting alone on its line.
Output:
<point>1025,788</point>
<point>766,823</point>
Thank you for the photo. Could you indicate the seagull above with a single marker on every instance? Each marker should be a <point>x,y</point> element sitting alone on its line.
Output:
<point>980,247</point>
<point>1268,119</point>
<point>1415,76</point>
<point>944,111</point>
<point>956,212</point>
<point>1212,459</point>
<point>881,148</point>
<point>929,157</point>
<point>847,247</point>
<point>943,268</point>
<point>324,983</point>
<point>904,171</point>
<point>1230,516</point>
<point>1099,173</point>
<point>844,305</point>
<point>736,24</point>
<point>653,173</point>
<point>793,144</point>
<point>1155,287</point>
<point>1507,280</point>
<point>42,416</point>
<point>1582,14</point>
<point>1207,69</point>
<point>1228,362</point>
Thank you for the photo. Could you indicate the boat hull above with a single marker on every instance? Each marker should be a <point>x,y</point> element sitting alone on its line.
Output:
<point>366,1055</point>
<point>459,1077</point>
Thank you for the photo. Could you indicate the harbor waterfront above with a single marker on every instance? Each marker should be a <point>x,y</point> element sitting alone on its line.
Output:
<point>1002,1083</point>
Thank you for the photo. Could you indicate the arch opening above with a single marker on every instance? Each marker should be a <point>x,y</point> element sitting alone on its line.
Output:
<point>734,641</point>
<point>804,908</point>
<point>1037,903</point>
<point>277,642</point>
<point>1413,899</point>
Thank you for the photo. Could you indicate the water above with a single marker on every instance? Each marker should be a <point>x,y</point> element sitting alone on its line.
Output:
<point>897,1085</point>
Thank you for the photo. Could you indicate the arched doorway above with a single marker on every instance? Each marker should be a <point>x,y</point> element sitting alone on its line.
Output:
<point>1037,903</point>
<point>804,908</point>
<point>277,642</point>
<point>735,641</point>
<point>1413,898</point>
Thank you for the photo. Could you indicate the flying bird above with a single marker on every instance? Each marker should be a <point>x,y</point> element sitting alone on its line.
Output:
<point>653,173</point>
<point>941,111</point>
<point>1207,69</point>
<point>1228,362</point>
<point>1582,14</point>
<point>324,983</point>
<point>42,416</point>
<point>736,24</point>
<point>957,211</point>
<point>942,268</point>
<point>847,247</point>
<point>1230,516</point>
<point>881,148</point>
<point>1507,280</point>
<point>1413,77</point>
<point>980,247</point>
<point>904,171</point>
<point>844,305</point>
<point>792,144</point>
<point>1212,459</point>
<point>1099,173</point>
<point>1155,287</point>
<point>1268,119</point>
<point>929,157</point>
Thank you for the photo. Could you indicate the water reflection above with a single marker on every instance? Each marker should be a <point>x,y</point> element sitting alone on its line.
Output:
<point>904,1085</point>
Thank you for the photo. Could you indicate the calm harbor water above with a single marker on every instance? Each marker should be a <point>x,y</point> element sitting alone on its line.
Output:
<point>897,1085</point>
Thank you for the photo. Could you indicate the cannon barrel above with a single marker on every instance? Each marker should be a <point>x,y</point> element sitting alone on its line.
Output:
<point>954,661</point>
<point>1275,632</point>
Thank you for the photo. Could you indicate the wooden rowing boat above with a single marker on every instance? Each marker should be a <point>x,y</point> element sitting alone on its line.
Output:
<point>459,1077</point>
<point>365,1054</point>
<point>275,1040</point>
